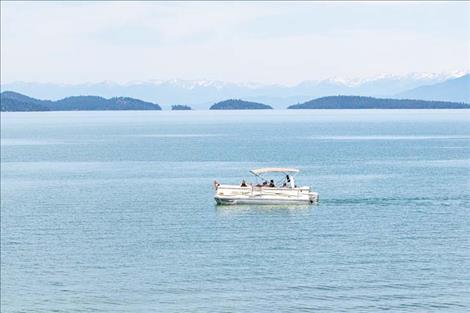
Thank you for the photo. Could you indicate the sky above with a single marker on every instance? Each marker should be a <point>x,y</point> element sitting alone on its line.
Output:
<point>264,42</point>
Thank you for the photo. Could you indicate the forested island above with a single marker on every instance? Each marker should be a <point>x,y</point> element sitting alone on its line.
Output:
<point>13,101</point>
<point>359,102</point>
<point>179,107</point>
<point>237,104</point>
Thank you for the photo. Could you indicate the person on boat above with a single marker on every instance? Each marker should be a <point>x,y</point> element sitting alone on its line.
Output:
<point>271,183</point>
<point>265,183</point>
<point>243,184</point>
<point>287,182</point>
<point>292,183</point>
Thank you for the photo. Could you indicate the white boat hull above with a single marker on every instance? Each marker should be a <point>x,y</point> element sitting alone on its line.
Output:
<point>229,194</point>
<point>229,201</point>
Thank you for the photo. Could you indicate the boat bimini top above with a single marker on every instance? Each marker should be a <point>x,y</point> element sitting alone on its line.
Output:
<point>264,170</point>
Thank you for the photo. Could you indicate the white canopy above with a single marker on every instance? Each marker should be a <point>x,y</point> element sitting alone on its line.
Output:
<point>274,170</point>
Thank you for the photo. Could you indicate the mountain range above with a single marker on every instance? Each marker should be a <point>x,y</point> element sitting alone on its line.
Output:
<point>200,94</point>
<point>457,90</point>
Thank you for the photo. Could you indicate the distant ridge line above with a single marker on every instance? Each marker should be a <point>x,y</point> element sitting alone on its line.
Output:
<point>362,102</point>
<point>238,104</point>
<point>16,102</point>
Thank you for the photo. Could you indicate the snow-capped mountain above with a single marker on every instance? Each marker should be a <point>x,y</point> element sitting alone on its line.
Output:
<point>202,93</point>
<point>456,90</point>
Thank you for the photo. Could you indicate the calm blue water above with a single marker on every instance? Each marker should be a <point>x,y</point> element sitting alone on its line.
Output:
<point>113,212</point>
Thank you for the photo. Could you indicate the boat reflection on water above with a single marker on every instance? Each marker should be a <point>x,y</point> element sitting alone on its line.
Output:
<point>263,209</point>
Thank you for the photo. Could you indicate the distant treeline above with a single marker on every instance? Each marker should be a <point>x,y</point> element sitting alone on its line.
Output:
<point>237,104</point>
<point>357,102</point>
<point>180,107</point>
<point>13,101</point>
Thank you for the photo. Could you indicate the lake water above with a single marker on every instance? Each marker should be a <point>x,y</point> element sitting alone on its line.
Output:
<point>114,212</point>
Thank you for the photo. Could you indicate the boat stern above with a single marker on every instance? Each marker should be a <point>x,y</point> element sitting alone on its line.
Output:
<point>313,197</point>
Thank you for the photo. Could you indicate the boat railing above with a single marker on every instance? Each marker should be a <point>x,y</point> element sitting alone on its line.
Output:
<point>261,188</point>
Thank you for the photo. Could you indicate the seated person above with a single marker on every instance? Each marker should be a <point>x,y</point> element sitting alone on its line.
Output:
<point>271,183</point>
<point>243,184</point>
<point>265,183</point>
<point>292,183</point>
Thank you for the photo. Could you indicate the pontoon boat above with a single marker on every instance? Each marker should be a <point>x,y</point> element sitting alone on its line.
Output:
<point>266,191</point>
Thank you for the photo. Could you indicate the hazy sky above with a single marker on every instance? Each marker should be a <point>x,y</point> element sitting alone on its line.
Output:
<point>266,42</point>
